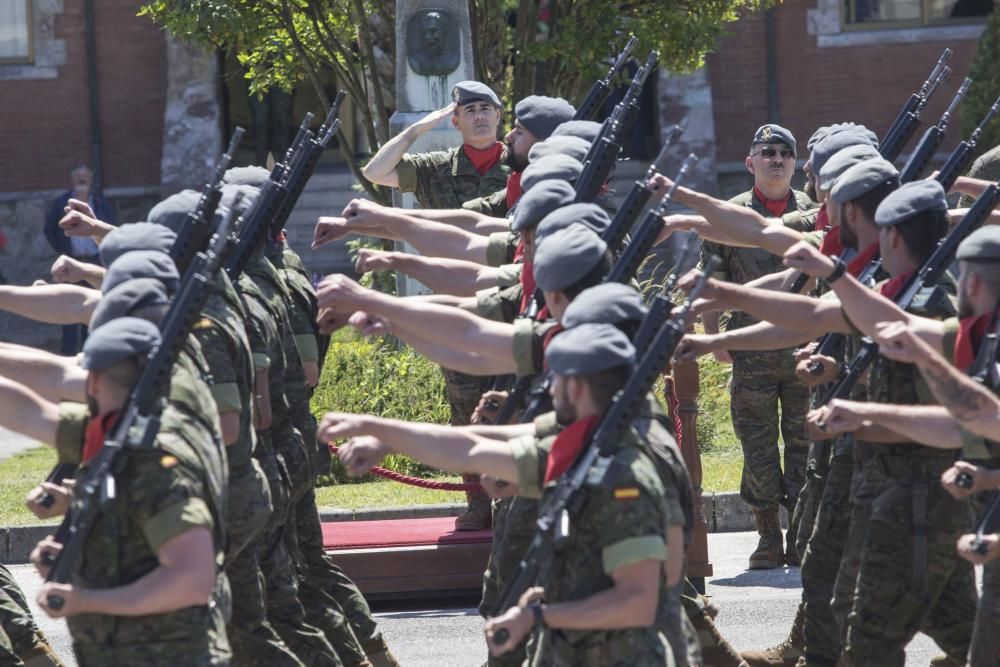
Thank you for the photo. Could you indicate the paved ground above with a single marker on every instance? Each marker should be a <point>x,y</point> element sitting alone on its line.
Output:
<point>757,609</point>
<point>11,443</point>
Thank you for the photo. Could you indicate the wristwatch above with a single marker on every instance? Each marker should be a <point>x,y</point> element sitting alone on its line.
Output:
<point>839,268</point>
<point>538,609</point>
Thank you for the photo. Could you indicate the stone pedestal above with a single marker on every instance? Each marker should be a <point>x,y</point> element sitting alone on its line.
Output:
<point>434,37</point>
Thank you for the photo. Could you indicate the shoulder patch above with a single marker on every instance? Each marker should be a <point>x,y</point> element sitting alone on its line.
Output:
<point>203,323</point>
<point>169,461</point>
<point>626,493</point>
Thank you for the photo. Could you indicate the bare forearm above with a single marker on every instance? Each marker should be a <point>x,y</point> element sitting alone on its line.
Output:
<point>442,276</point>
<point>55,304</point>
<point>470,221</point>
<point>761,336</point>
<point>450,357</point>
<point>929,425</point>
<point>971,403</point>
<point>866,307</point>
<point>740,222</point>
<point>52,376</point>
<point>27,413</point>
<point>792,311</point>
<point>505,432</point>
<point>381,169</point>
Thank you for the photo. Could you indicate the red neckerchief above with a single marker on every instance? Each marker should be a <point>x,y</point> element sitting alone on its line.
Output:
<point>971,331</point>
<point>543,315</point>
<point>775,207</point>
<point>519,251</point>
<point>822,219</point>
<point>891,288</point>
<point>514,190</point>
<point>567,447</point>
<point>528,284</point>
<point>96,432</point>
<point>831,244</point>
<point>864,258</point>
<point>483,159</point>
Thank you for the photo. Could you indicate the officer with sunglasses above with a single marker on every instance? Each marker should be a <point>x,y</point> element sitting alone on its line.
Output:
<point>763,380</point>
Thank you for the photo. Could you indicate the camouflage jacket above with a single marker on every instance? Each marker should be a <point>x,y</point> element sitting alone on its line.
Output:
<point>986,167</point>
<point>447,179</point>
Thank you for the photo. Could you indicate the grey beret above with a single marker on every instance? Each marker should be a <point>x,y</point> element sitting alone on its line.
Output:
<point>833,143</point>
<point>589,215</point>
<point>135,236</point>
<point>862,178</point>
<point>540,115</point>
<point>589,349</point>
<point>856,128</point>
<point>128,297</point>
<point>142,264</point>
<point>817,136</point>
<point>982,245</point>
<point>584,129</point>
<point>607,303</point>
<point>773,134</point>
<point>842,160</point>
<point>561,167</point>
<point>470,91</point>
<point>909,200</point>
<point>566,256</point>
<point>255,176</point>
<point>575,147</point>
<point>545,197</point>
<point>172,212</point>
<point>117,341</point>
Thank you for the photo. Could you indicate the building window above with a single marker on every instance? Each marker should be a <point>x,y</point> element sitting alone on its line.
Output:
<point>912,13</point>
<point>15,31</point>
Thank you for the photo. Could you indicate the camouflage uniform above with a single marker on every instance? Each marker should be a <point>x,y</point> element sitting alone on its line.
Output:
<point>284,607</point>
<point>222,335</point>
<point>910,578</point>
<point>762,380</point>
<point>619,525</point>
<point>986,167</point>
<point>321,577</point>
<point>20,638</point>
<point>163,491</point>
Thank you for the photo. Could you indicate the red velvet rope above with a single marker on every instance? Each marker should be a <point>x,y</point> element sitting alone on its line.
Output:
<point>678,425</point>
<point>418,481</point>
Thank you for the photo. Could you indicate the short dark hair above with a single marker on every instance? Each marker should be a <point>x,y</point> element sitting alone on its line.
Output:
<point>922,232</point>
<point>868,202</point>
<point>604,385</point>
<point>593,277</point>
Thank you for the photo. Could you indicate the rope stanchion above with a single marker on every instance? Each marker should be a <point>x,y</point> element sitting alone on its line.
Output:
<point>678,425</point>
<point>417,481</point>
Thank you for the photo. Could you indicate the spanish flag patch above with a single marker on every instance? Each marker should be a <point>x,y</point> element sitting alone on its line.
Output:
<point>627,493</point>
<point>169,461</point>
<point>203,323</point>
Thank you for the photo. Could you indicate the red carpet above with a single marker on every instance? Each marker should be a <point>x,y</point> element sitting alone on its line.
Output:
<point>398,533</point>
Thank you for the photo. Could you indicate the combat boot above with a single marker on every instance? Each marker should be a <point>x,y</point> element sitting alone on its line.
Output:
<point>715,650</point>
<point>480,511</point>
<point>791,552</point>
<point>769,553</point>
<point>379,655</point>
<point>786,654</point>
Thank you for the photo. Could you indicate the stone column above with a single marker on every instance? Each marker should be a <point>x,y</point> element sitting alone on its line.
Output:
<point>191,133</point>
<point>433,53</point>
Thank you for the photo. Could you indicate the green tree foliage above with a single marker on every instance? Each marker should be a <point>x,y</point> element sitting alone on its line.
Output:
<point>521,47</point>
<point>985,74</point>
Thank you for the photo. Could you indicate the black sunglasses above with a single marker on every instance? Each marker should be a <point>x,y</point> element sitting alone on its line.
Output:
<point>771,152</point>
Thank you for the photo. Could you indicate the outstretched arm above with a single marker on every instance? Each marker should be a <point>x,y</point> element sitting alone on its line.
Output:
<point>759,336</point>
<point>381,169</point>
<point>470,221</point>
<point>929,425</point>
<point>55,304</point>
<point>441,276</point>
<point>53,376</point>
<point>25,412</point>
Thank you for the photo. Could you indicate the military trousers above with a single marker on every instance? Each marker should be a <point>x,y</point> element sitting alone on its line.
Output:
<point>986,636</point>
<point>911,578</point>
<point>16,620</point>
<point>767,400</point>
<point>463,391</point>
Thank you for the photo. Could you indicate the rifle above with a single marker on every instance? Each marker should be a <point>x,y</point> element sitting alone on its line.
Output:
<point>960,159</point>
<point>140,416</point>
<point>599,91</point>
<point>927,276</point>
<point>281,191</point>
<point>829,343</point>
<point>194,234</point>
<point>649,229</point>
<point>59,472</point>
<point>932,139</point>
<point>598,457</point>
<point>604,151</point>
<point>908,120</point>
<point>638,196</point>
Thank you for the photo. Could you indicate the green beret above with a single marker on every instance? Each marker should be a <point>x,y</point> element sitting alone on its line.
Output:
<point>561,167</point>
<point>117,341</point>
<point>607,303</point>
<point>862,178</point>
<point>773,134</point>
<point>142,264</point>
<point>589,215</point>
<point>575,147</point>
<point>127,298</point>
<point>841,161</point>
<point>135,236</point>
<point>982,245</point>
<point>471,91</point>
<point>587,130</point>
<point>834,142</point>
<point>255,176</point>
<point>588,349</point>
<point>535,204</point>
<point>909,200</point>
<point>564,257</point>
<point>173,211</point>
<point>540,115</point>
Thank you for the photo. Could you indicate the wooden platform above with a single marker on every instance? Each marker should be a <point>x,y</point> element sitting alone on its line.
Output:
<point>409,557</point>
